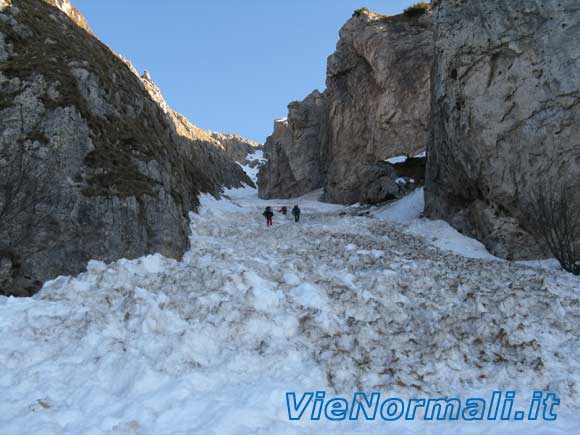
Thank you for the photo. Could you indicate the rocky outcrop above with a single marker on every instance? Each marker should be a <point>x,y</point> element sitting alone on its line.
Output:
<point>294,165</point>
<point>91,167</point>
<point>378,93</point>
<point>376,106</point>
<point>506,114</point>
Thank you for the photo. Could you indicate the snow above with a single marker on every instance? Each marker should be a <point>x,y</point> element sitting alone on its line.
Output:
<point>256,155</point>
<point>252,172</point>
<point>408,209</point>
<point>397,159</point>
<point>340,302</point>
<point>402,159</point>
<point>407,212</point>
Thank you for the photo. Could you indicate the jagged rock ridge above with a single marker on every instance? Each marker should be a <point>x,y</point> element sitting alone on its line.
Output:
<point>202,146</point>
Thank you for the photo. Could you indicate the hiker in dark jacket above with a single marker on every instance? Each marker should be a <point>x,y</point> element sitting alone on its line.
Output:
<point>284,210</point>
<point>269,214</point>
<point>296,213</point>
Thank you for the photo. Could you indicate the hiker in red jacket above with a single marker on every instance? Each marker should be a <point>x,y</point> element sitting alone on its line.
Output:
<point>269,214</point>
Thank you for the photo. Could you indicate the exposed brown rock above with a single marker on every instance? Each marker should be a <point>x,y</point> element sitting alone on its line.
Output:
<point>201,145</point>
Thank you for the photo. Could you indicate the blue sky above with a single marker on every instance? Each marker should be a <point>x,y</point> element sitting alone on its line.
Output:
<point>229,65</point>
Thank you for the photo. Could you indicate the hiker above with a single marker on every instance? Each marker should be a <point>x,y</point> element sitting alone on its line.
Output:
<point>296,213</point>
<point>284,210</point>
<point>269,214</point>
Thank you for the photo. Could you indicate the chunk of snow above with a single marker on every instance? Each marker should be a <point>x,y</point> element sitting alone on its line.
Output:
<point>311,296</point>
<point>396,160</point>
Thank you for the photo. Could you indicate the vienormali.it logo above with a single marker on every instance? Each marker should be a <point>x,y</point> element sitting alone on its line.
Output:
<point>499,406</point>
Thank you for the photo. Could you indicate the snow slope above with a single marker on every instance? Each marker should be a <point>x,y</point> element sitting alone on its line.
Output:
<point>252,169</point>
<point>408,211</point>
<point>339,302</point>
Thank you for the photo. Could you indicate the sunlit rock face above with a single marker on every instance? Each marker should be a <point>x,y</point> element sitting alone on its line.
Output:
<point>72,12</point>
<point>376,106</point>
<point>378,93</point>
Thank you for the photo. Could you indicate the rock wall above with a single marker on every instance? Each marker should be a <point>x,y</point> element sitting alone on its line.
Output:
<point>506,114</point>
<point>294,165</point>
<point>376,106</point>
<point>91,167</point>
<point>378,92</point>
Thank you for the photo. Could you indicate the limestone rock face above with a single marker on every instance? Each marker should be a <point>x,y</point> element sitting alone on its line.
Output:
<point>293,151</point>
<point>376,106</point>
<point>506,113</point>
<point>90,165</point>
<point>378,93</point>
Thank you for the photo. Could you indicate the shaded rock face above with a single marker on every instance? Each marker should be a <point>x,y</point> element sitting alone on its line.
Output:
<point>293,151</point>
<point>378,93</point>
<point>506,114</point>
<point>90,166</point>
<point>376,106</point>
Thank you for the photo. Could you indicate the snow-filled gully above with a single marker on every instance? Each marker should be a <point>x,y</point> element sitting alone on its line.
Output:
<point>339,302</point>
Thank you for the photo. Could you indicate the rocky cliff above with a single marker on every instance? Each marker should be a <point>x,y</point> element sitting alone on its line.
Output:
<point>376,106</point>
<point>294,164</point>
<point>91,166</point>
<point>506,114</point>
<point>378,92</point>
